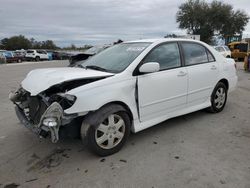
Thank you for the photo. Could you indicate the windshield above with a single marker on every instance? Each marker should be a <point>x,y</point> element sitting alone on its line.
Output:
<point>94,50</point>
<point>117,58</point>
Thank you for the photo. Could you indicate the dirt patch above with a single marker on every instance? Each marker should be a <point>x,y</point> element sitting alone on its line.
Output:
<point>52,160</point>
<point>243,133</point>
<point>11,185</point>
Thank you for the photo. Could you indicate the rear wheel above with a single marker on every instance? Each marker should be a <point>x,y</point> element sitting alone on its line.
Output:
<point>106,130</point>
<point>218,98</point>
<point>37,58</point>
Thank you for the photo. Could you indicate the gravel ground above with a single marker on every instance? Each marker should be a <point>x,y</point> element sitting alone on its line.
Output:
<point>195,150</point>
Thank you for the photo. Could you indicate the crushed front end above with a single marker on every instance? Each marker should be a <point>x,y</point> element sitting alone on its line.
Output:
<point>43,114</point>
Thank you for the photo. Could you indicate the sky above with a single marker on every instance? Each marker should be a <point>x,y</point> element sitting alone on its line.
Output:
<point>93,22</point>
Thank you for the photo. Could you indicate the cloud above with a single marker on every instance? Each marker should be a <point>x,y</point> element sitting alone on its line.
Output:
<point>90,21</point>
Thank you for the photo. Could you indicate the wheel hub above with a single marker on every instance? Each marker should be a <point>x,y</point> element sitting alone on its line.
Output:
<point>110,132</point>
<point>220,97</point>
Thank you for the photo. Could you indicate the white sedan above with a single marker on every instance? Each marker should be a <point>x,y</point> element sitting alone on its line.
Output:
<point>223,50</point>
<point>128,87</point>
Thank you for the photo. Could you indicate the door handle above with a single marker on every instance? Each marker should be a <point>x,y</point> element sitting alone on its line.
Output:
<point>213,67</point>
<point>182,73</point>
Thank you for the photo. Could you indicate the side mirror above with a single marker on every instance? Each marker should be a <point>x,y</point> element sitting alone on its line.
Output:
<point>149,67</point>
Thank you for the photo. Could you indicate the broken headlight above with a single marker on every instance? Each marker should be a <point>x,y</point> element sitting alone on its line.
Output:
<point>65,100</point>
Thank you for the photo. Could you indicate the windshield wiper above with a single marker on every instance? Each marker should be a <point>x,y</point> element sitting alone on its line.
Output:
<point>94,67</point>
<point>79,65</point>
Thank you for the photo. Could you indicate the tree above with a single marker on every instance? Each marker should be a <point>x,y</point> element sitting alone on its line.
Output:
<point>206,19</point>
<point>171,36</point>
<point>16,43</point>
<point>20,42</point>
<point>48,44</point>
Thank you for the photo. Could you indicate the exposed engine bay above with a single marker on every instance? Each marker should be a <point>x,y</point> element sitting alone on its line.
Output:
<point>44,113</point>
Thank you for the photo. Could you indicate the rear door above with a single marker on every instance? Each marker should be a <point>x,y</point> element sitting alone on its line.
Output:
<point>165,91</point>
<point>45,55</point>
<point>202,71</point>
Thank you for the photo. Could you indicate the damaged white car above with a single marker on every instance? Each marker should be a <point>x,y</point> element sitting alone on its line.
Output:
<point>128,87</point>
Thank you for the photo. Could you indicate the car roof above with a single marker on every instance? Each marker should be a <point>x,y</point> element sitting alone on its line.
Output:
<point>159,40</point>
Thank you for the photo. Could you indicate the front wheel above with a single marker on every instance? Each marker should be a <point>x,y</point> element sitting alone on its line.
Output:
<point>106,130</point>
<point>37,58</point>
<point>218,98</point>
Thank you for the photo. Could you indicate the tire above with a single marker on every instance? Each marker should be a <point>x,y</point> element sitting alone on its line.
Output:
<point>103,137</point>
<point>37,58</point>
<point>218,98</point>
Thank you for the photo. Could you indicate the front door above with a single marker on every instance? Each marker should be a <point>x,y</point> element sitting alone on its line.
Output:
<point>165,91</point>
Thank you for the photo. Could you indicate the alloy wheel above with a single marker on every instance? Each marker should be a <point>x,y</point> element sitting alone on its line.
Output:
<point>110,132</point>
<point>220,97</point>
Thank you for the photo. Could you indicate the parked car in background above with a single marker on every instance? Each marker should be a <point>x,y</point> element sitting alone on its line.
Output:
<point>128,87</point>
<point>86,54</point>
<point>2,58</point>
<point>55,55</point>
<point>50,55</point>
<point>11,57</point>
<point>20,56</point>
<point>36,55</point>
<point>223,50</point>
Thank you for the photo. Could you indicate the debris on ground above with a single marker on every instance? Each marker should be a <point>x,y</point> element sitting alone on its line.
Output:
<point>155,142</point>
<point>123,160</point>
<point>102,160</point>
<point>31,180</point>
<point>11,185</point>
<point>176,157</point>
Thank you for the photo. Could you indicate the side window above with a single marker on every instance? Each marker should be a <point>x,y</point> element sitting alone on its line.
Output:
<point>210,57</point>
<point>167,55</point>
<point>194,53</point>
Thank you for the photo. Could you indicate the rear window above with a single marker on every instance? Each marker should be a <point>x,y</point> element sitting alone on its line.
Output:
<point>227,49</point>
<point>30,51</point>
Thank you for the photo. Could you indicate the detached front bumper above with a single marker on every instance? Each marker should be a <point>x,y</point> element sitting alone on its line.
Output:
<point>50,122</point>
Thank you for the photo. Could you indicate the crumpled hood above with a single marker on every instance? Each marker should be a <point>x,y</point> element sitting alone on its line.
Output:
<point>41,79</point>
